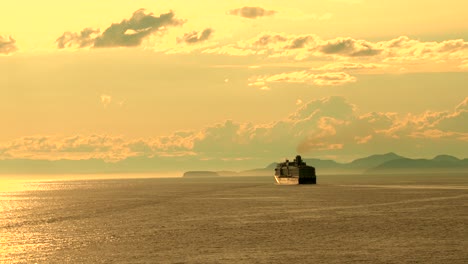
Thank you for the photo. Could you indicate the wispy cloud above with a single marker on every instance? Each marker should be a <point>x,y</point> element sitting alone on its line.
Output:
<point>106,99</point>
<point>75,147</point>
<point>319,79</point>
<point>230,50</point>
<point>83,39</point>
<point>464,65</point>
<point>128,33</point>
<point>7,45</point>
<point>195,36</point>
<point>251,12</point>
<point>338,66</point>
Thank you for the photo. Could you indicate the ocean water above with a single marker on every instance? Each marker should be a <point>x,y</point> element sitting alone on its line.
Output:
<point>342,219</point>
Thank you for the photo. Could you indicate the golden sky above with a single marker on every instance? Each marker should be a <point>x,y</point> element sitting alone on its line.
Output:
<point>233,80</point>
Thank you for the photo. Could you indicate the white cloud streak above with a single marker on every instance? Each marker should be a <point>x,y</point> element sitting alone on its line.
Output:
<point>318,79</point>
<point>128,33</point>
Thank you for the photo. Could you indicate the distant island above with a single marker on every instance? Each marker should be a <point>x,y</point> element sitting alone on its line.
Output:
<point>389,163</point>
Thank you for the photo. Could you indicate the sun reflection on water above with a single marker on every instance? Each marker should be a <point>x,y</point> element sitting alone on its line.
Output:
<point>12,185</point>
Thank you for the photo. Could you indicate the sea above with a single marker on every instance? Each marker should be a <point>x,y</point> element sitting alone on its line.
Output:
<point>417,218</point>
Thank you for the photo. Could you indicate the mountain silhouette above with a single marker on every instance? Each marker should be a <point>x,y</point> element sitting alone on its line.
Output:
<point>446,158</point>
<point>373,161</point>
<point>437,164</point>
<point>379,163</point>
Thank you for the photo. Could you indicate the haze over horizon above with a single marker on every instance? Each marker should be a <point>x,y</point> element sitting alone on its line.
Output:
<point>250,80</point>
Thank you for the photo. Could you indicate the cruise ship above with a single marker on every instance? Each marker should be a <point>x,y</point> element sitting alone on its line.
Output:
<point>295,172</point>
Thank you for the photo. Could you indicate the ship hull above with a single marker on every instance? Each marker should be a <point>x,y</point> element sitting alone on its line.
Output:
<point>293,180</point>
<point>287,180</point>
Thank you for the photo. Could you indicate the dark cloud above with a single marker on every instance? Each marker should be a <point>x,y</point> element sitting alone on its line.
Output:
<point>195,36</point>
<point>127,33</point>
<point>299,42</point>
<point>251,12</point>
<point>349,47</point>
<point>131,32</point>
<point>7,45</point>
<point>291,41</point>
<point>265,40</point>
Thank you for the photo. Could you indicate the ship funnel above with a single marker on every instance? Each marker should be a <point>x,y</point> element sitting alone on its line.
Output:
<point>298,159</point>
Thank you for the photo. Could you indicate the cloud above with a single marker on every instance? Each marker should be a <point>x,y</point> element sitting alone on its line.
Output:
<point>404,49</point>
<point>299,42</point>
<point>318,128</point>
<point>132,32</point>
<point>109,148</point>
<point>300,47</point>
<point>106,99</point>
<point>333,126</point>
<point>463,106</point>
<point>128,33</point>
<point>390,55</point>
<point>333,78</point>
<point>333,106</point>
<point>230,50</point>
<point>267,39</point>
<point>104,147</point>
<point>7,45</point>
<point>349,66</point>
<point>363,139</point>
<point>320,119</point>
<point>455,121</point>
<point>251,12</point>
<point>195,36</point>
<point>464,65</point>
<point>383,132</point>
<point>84,39</point>
<point>227,140</point>
<point>321,79</point>
<point>349,47</point>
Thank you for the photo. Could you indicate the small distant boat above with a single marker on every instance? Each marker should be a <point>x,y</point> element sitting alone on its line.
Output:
<point>296,172</point>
